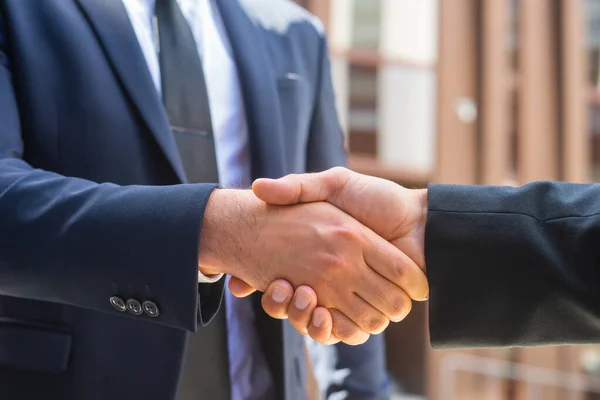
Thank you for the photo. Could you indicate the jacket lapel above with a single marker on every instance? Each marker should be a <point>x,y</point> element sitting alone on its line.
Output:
<point>259,90</point>
<point>113,28</point>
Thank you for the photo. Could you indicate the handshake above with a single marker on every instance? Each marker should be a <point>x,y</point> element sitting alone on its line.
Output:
<point>338,253</point>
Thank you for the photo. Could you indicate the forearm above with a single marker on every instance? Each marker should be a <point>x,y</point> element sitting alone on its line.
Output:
<point>76,242</point>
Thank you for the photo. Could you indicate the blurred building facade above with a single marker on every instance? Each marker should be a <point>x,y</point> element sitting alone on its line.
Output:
<point>474,92</point>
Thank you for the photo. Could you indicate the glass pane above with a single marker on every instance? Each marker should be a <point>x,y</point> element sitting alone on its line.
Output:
<point>367,21</point>
<point>362,118</point>
<point>594,129</point>
<point>592,12</point>
<point>363,85</point>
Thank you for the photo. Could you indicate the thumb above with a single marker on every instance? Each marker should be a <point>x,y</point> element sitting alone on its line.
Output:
<point>300,188</point>
<point>283,191</point>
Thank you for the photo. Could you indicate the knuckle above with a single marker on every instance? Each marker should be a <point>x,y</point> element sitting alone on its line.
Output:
<point>377,324</point>
<point>398,306</point>
<point>346,234</point>
<point>382,295</point>
<point>344,332</point>
<point>343,329</point>
<point>403,309</point>
<point>362,315</point>
<point>399,271</point>
<point>333,261</point>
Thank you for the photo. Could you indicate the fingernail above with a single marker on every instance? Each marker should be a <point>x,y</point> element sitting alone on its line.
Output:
<point>302,302</point>
<point>279,295</point>
<point>318,320</point>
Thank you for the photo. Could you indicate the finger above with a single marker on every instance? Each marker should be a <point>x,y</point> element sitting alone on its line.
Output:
<point>364,315</point>
<point>321,327</point>
<point>386,297</point>
<point>239,288</point>
<point>301,308</point>
<point>282,191</point>
<point>301,188</point>
<point>389,262</point>
<point>346,330</point>
<point>276,299</point>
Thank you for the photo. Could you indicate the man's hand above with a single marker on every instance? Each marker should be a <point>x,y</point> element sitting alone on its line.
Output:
<point>395,213</point>
<point>358,275</point>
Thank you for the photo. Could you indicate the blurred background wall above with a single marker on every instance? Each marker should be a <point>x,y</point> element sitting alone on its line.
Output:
<point>475,92</point>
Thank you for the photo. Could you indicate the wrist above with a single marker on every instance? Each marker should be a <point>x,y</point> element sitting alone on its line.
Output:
<point>229,216</point>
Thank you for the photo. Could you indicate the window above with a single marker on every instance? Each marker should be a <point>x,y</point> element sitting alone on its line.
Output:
<point>362,118</point>
<point>363,76</point>
<point>367,17</point>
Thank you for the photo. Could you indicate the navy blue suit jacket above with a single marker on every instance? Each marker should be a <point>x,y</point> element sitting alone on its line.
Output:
<point>93,200</point>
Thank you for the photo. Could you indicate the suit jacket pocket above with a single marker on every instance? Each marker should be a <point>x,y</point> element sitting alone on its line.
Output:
<point>32,346</point>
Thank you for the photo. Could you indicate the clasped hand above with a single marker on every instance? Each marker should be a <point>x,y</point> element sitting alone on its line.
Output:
<point>338,253</point>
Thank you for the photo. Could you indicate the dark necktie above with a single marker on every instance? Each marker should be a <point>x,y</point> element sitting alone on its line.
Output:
<point>206,369</point>
<point>184,93</point>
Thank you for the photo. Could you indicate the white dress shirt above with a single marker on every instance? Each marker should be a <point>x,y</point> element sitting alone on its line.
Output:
<point>250,378</point>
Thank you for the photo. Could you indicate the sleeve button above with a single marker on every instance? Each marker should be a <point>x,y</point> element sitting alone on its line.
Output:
<point>118,303</point>
<point>151,309</point>
<point>134,306</point>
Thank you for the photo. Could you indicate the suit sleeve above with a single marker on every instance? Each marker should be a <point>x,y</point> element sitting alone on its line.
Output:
<point>359,371</point>
<point>513,266</point>
<point>77,242</point>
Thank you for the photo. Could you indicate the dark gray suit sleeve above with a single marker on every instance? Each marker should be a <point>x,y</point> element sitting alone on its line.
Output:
<point>366,364</point>
<point>514,266</point>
